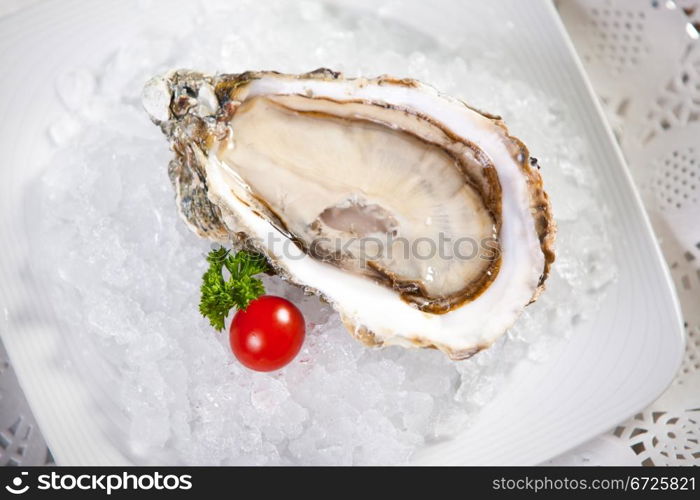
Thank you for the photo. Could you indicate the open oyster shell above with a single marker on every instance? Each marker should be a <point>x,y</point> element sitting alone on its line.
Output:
<point>419,218</point>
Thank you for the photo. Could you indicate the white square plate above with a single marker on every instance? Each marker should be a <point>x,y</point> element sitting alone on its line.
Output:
<point>613,365</point>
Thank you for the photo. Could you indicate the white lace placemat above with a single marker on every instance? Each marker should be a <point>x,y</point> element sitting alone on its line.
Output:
<point>643,57</point>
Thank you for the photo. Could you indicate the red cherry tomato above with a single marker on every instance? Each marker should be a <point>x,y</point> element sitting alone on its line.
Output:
<point>268,334</point>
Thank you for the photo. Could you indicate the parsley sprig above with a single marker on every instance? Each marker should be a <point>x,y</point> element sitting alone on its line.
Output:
<point>219,295</point>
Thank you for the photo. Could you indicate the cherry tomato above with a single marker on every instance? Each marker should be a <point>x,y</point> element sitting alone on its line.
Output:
<point>268,334</point>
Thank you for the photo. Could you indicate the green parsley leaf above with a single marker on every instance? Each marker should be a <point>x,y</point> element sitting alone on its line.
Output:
<point>218,295</point>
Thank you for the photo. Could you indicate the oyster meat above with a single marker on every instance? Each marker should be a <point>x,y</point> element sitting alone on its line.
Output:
<point>420,219</point>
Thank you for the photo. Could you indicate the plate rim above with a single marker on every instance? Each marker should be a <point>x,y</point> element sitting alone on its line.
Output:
<point>636,200</point>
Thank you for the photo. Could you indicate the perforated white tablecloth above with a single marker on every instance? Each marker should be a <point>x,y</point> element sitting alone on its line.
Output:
<point>643,57</point>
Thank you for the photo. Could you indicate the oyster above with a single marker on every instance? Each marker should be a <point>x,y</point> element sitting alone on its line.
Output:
<point>420,219</point>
